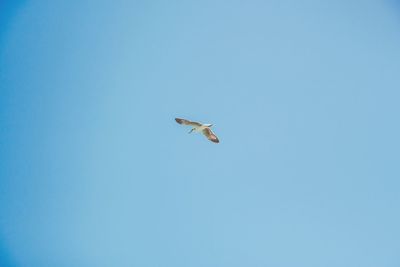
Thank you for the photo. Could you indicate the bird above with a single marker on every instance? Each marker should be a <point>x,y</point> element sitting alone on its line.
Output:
<point>200,127</point>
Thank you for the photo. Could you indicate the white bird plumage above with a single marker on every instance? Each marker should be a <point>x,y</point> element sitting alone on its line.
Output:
<point>200,127</point>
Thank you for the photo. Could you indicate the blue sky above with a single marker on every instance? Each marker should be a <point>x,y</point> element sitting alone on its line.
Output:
<point>304,96</point>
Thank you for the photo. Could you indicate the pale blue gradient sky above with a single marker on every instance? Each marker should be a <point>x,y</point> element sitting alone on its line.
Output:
<point>304,96</point>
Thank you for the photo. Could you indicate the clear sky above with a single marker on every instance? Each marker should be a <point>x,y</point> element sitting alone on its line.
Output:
<point>304,96</point>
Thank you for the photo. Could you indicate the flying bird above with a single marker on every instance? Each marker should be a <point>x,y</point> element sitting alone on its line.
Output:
<point>199,127</point>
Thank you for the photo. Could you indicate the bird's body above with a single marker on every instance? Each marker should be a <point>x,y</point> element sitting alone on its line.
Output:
<point>200,127</point>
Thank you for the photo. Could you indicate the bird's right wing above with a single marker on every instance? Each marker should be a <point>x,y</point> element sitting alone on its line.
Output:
<point>187,122</point>
<point>210,135</point>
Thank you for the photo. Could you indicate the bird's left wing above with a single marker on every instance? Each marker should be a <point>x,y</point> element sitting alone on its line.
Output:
<point>187,122</point>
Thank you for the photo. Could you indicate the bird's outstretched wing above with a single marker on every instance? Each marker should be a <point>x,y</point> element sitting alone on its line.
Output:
<point>210,135</point>
<point>187,122</point>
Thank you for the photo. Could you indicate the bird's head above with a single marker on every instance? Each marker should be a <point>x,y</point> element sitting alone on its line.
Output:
<point>208,125</point>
